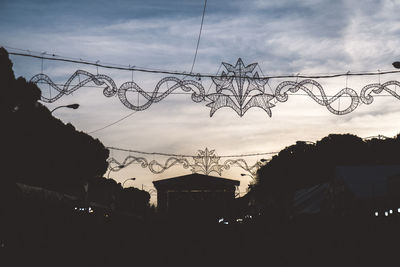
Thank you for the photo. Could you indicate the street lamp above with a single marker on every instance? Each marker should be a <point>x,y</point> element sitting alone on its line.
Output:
<point>305,142</point>
<point>112,169</point>
<point>73,106</point>
<point>133,179</point>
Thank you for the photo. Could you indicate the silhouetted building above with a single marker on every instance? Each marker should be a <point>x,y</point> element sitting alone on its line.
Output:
<point>196,195</point>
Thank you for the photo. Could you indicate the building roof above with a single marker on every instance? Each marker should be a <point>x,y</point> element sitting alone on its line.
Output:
<point>195,180</point>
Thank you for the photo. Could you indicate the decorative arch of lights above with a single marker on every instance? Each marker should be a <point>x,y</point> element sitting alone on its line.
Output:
<point>239,87</point>
<point>206,162</point>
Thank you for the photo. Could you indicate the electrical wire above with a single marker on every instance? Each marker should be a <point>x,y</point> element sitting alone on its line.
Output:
<point>381,137</point>
<point>189,156</point>
<point>198,39</point>
<point>113,123</point>
<point>201,75</point>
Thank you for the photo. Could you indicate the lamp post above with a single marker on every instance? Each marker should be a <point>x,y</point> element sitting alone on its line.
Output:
<point>112,169</point>
<point>133,179</point>
<point>396,64</point>
<point>73,106</point>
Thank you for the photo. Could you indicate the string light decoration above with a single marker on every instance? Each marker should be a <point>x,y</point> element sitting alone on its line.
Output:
<point>206,162</point>
<point>239,87</point>
<point>378,88</point>
<point>248,91</point>
<point>110,88</point>
<point>282,96</point>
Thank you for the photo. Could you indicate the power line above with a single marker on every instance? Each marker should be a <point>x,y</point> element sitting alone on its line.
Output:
<point>200,75</point>
<point>381,137</point>
<point>189,156</point>
<point>198,39</point>
<point>113,123</point>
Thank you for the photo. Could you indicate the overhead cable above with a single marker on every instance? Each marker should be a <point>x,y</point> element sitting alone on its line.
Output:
<point>198,39</point>
<point>200,75</point>
<point>189,156</point>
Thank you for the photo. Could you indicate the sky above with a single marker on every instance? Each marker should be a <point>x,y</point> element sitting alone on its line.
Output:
<point>284,37</point>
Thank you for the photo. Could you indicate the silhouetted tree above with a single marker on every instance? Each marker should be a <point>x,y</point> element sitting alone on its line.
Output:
<point>37,148</point>
<point>135,200</point>
<point>303,164</point>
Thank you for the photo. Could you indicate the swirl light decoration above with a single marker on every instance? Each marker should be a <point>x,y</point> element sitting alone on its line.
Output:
<point>206,162</point>
<point>282,96</point>
<point>239,88</point>
<point>111,89</point>
<point>377,88</point>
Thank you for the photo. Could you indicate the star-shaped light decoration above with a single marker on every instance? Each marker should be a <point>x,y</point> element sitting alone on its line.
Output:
<point>206,162</point>
<point>237,96</point>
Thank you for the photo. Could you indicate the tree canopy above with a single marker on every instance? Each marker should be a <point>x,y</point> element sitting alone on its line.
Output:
<point>37,148</point>
<point>305,164</point>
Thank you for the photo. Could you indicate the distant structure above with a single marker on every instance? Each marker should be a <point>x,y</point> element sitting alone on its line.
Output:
<point>363,190</point>
<point>369,190</point>
<point>196,196</point>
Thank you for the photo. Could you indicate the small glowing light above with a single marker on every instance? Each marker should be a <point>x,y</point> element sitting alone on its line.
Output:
<point>398,210</point>
<point>220,220</point>
<point>77,208</point>
<point>386,213</point>
<point>239,220</point>
<point>376,213</point>
<point>390,211</point>
<point>226,222</point>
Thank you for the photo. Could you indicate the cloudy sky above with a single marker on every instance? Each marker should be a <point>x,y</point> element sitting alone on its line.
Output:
<point>282,36</point>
